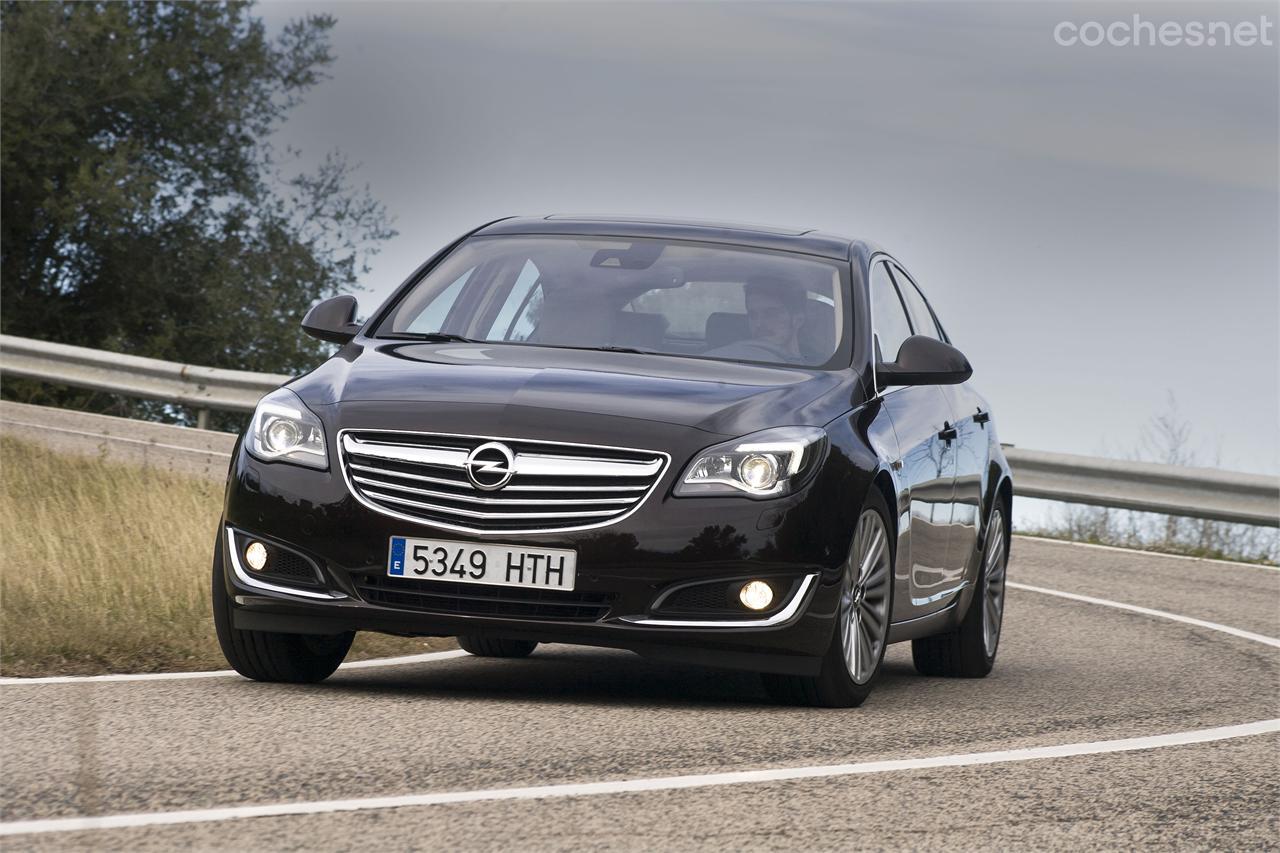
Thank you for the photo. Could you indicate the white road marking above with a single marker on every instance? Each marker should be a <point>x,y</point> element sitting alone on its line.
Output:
<point>426,656</point>
<point>630,786</point>
<point>1132,551</point>
<point>221,673</point>
<point>666,783</point>
<point>1147,611</point>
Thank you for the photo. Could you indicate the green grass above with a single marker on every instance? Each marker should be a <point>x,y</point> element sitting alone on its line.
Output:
<point>104,567</point>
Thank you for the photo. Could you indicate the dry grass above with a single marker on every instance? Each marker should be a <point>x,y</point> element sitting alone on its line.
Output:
<point>1166,534</point>
<point>104,567</point>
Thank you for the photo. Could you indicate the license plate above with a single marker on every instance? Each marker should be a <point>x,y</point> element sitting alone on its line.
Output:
<point>493,565</point>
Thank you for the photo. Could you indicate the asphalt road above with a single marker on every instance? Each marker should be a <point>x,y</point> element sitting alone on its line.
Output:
<point>1070,672</point>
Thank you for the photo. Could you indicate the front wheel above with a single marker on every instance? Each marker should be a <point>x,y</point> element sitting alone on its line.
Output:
<point>970,650</point>
<point>272,656</point>
<point>852,661</point>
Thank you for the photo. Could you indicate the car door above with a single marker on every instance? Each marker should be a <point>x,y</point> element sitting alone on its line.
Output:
<point>926,468</point>
<point>970,447</point>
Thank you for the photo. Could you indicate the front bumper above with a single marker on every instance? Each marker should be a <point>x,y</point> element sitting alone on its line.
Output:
<point>668,542</point>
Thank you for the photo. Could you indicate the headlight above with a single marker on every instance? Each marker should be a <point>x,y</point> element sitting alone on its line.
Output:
<point>762,465</point>
<point>284,430</point>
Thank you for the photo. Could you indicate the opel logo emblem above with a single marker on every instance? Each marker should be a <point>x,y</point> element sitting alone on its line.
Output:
<point>490,466</point>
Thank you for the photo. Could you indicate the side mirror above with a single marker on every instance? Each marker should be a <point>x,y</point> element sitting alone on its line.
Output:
<point>333,320</point>
<point>924,361</point>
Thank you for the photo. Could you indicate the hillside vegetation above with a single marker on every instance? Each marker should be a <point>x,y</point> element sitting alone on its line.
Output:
<point>105,568</point>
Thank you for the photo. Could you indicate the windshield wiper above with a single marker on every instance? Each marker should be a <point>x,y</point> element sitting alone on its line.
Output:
<point>446,337</point>
<point>431,338</point>
<point>609,348</point>
<point>626,349</point>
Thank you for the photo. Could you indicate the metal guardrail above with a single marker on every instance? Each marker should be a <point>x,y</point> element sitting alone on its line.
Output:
<point>203,388</point>
<point>193,452</point>
<point>1194,492</point>
<point>1206,493</point>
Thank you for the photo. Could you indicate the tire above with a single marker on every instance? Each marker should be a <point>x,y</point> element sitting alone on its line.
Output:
<point>852,662</point>
<point>496,647</point>
<point>969,651</point>
<point>272,656</point>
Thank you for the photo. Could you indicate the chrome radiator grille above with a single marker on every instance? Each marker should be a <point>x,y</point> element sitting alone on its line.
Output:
<point>484,485</point>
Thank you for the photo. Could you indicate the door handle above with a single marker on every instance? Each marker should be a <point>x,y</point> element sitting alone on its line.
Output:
<point>981,417</point>
<point>948,432</point>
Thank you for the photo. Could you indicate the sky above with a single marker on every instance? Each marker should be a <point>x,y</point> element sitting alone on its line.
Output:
<point>1096,226</point>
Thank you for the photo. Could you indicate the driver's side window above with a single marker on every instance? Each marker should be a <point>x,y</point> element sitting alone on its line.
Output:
<point>888,316</point>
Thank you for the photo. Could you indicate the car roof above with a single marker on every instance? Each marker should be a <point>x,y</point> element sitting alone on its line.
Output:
<point>807,242</point>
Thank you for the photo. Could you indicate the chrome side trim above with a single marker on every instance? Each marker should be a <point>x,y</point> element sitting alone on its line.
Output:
<point>906,623</point>
<point>254,583</point>
<point>783,615</point>
<point>938,596</point>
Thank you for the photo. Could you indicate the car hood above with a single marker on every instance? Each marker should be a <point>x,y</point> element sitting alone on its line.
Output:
<point>460,382</point>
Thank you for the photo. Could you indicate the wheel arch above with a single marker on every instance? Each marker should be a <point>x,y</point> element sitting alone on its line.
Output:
<point>883,483</point>
<point>1001,496</point>
<point>998,492</point>
<point>1004,498</point>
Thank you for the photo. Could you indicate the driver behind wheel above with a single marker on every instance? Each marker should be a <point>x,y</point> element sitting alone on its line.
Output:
<point>775,314</point>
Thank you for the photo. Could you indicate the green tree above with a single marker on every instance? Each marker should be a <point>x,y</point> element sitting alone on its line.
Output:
<point>143,208</point>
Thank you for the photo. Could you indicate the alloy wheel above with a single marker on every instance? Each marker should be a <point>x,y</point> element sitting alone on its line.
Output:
<point>864,600</point>
<point>993,575</point>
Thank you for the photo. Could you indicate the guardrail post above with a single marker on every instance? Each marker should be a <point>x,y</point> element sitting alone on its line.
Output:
<point>202,419</point>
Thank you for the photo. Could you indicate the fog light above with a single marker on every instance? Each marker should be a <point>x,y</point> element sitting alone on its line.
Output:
<point>756,595</point>
<point>256,556</point>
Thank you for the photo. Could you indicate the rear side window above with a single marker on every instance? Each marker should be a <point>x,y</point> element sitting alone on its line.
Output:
<point>921,318</point>
<point>887,315</point>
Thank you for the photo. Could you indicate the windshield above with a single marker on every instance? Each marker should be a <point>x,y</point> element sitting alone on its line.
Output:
<point>648,295</point>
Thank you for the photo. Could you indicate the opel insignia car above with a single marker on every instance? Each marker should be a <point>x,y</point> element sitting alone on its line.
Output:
<point>705,443</point>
